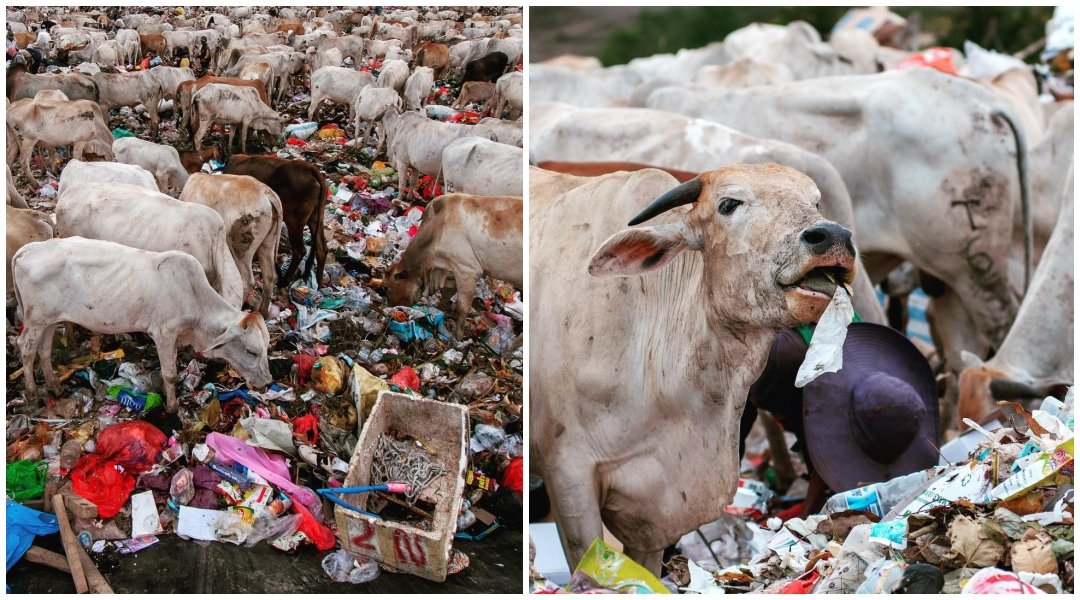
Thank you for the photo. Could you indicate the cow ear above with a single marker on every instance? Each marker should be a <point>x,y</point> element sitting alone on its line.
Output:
<point>638,250</point>
<point>220,341</point>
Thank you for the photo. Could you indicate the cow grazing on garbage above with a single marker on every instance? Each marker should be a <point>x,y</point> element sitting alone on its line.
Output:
<point>508,96</point>
<point>252,214</point>
<point>162,161</point>
<point>475,165</point>
<point>473,92</point>
<point>141,218</point>
<point>486,68</point>
<point>372,103</point>
<point>464,236</point>
<point>641,435</point>
<point>24,226</point>
<point>123,290</point>
<point>302,189</point>
<point>52,123</point>
<point>413,141</point>
<point>338,85</point>
<point>417,88</point>
<point>185,90</point>
<point>232,105</point>
<point>1036,358</point>
<point>21,84</point>
<point>436,56</point>
<point>941,192</point>
<point>77,173</point>
<point>394,75</point>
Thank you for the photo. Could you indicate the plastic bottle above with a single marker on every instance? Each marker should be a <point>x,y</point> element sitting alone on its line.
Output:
<point>69,455</point>
<point>136,401</point>
<point>879,498</point>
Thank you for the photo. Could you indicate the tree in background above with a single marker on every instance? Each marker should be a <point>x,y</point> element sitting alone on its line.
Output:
<point>1005,29</point>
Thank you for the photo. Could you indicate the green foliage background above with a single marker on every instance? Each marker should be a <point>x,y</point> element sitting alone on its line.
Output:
<point>1006,29</point>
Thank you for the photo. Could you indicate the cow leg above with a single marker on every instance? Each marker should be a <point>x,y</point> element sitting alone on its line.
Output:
<point>380,135</point>
<point>26,148</point>
<point>244,126</point>
<point>199,134</point>
<point>466,291</point>
<point>575,501</point>
<point>166,347</point>
<point>29,340</point>
<point>367,130</point>
<point>313,108</point>
<point>267,254</point>
<point>296,245</point>
<point>232,135</point>
<point>650,559</point>
<point>155,118</point>
<point>45,347</point>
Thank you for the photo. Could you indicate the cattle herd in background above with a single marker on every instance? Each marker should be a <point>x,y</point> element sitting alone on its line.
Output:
<point>968,177</point>
<point>148,243</point>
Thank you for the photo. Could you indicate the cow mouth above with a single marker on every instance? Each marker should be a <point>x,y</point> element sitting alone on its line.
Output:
<point>823,280</point>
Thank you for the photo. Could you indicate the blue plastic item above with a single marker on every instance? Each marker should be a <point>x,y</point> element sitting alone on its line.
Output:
<point>331,494</point>
<point>23,524</point>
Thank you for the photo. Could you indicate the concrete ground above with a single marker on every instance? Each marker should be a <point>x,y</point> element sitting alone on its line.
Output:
<point>179,566</point>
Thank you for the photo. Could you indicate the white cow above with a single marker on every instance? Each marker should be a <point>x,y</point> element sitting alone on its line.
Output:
<point>474,165</point>
<point>252,215</point>
<point>52,123</point>
<point>393,75</point>
<point>371,105</point>
<point>417,142</point>
<point>141,218</point>
<point>417,87</point>
<point>236,106</point>
<point>77,173</point>
<point>170,78</point>
<point>339,85</point>
<point>116,90</point>
<point>129,41</point>
<point>508,95</point>
<point>14,198</point>
<point>23,227</point>
<point>506,132</point>
<point>159,159</point>
<point>110,288</point>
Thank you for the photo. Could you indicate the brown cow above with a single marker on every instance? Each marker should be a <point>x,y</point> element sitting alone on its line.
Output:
<point>302,189</point>
<point>296,28</point>
<point>595,169</point>
<point>473,92</point>
<point>152,42</point>
<point>186,91</point>
<point>193,161</point>
<point>436,56</point>
<point>24,39</point>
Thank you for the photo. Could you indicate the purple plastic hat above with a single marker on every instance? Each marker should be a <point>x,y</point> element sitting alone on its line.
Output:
<point>876,418</point>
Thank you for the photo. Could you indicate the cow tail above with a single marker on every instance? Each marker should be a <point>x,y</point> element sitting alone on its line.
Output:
<point>1025,202</point>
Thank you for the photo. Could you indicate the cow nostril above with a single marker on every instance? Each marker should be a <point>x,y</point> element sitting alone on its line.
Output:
<point>814,236</point>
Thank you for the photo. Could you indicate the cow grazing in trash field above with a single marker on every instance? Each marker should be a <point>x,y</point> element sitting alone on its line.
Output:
<point>417,142</point>
<point>475,165</point>
<point>506,132</point>
<point>193,161</point>
<point>170,79</point>
<point>417,88</point>
<point>131,89</point>
<point>252,214</point>
<point>372,103</point>
<point>935,165</point>
<point>14,198</point>
<point>1036,358</point>
<point>141,218</point>
<point>339,85</point>
<point>52,123</point>
<point>464,236</point>
<point>642,435</point>
<point>473,92</point>
<point>508,95</point>
<point>24,226</point>
<point>436,56</point>
<point>564,133</point>
<point>21,84</point>
<point>302,189</point>
<point>77,173</point>
<point>185,90</point>
<point>238,107</point>
<point>125,290</point>
<point>394,74</point>
<point>162,161</point>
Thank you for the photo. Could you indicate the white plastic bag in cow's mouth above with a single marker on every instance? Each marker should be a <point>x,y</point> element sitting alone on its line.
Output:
<point>826,351</point>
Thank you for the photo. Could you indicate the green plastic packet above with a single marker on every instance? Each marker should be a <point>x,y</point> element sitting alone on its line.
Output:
<point>616,571</point>
<point>26,480</point>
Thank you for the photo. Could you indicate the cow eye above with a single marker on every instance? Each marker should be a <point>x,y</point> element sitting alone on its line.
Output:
<point>818,206</point>
<point>400,276</point>
<point>728,205</point>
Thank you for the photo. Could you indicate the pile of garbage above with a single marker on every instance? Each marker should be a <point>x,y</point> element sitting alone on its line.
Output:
<point>242,466</point>
<point>999,521</point>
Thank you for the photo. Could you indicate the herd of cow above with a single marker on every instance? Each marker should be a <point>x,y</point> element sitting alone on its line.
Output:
<point>774,138</point>
<point>142,241</point>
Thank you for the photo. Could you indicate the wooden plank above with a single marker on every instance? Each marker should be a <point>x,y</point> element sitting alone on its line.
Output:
<point>94,578</point>
<point>71,545</point>
<point>41,556</point>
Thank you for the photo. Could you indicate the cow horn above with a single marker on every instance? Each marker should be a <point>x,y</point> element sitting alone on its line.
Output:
<point>1003,389</point>
<point>684,193</point>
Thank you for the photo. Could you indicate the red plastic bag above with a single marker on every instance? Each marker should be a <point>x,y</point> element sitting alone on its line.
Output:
<point>935,58</point>
<point>103,482</point>
<point>406,378</point>
<point>319,534</point>
<point>512,476</point>
<point>304,362</point>
<point>307,427</point>
<point>802,585</point>
<point>134,444</point>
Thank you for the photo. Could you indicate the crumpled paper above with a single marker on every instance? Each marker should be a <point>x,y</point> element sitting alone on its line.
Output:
<point>270,434</point>
<point>826,351</point>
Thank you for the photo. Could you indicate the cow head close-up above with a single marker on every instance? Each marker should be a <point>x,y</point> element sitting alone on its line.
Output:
<point>762,238</point>
<point>244,346</point>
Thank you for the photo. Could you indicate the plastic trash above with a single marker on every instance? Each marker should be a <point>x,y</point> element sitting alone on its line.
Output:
<point>328,374</point>
<point>270,434</point>
<point>134,400</point>
<point>616,571</point>
<point>301,131</point>
<point>880,498</point>
<point>342,567</point>
<point>267,527</point>
<point>273,467</point>
<point>23,524</point>
<point>102,481</point>
<point>826,351</point>
<point>995,581</point>
<point>182,487</point>
<point>26,479</point>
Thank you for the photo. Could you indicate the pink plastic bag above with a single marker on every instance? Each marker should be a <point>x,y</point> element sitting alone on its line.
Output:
<point>996,581</point>
<point>271,467</point>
